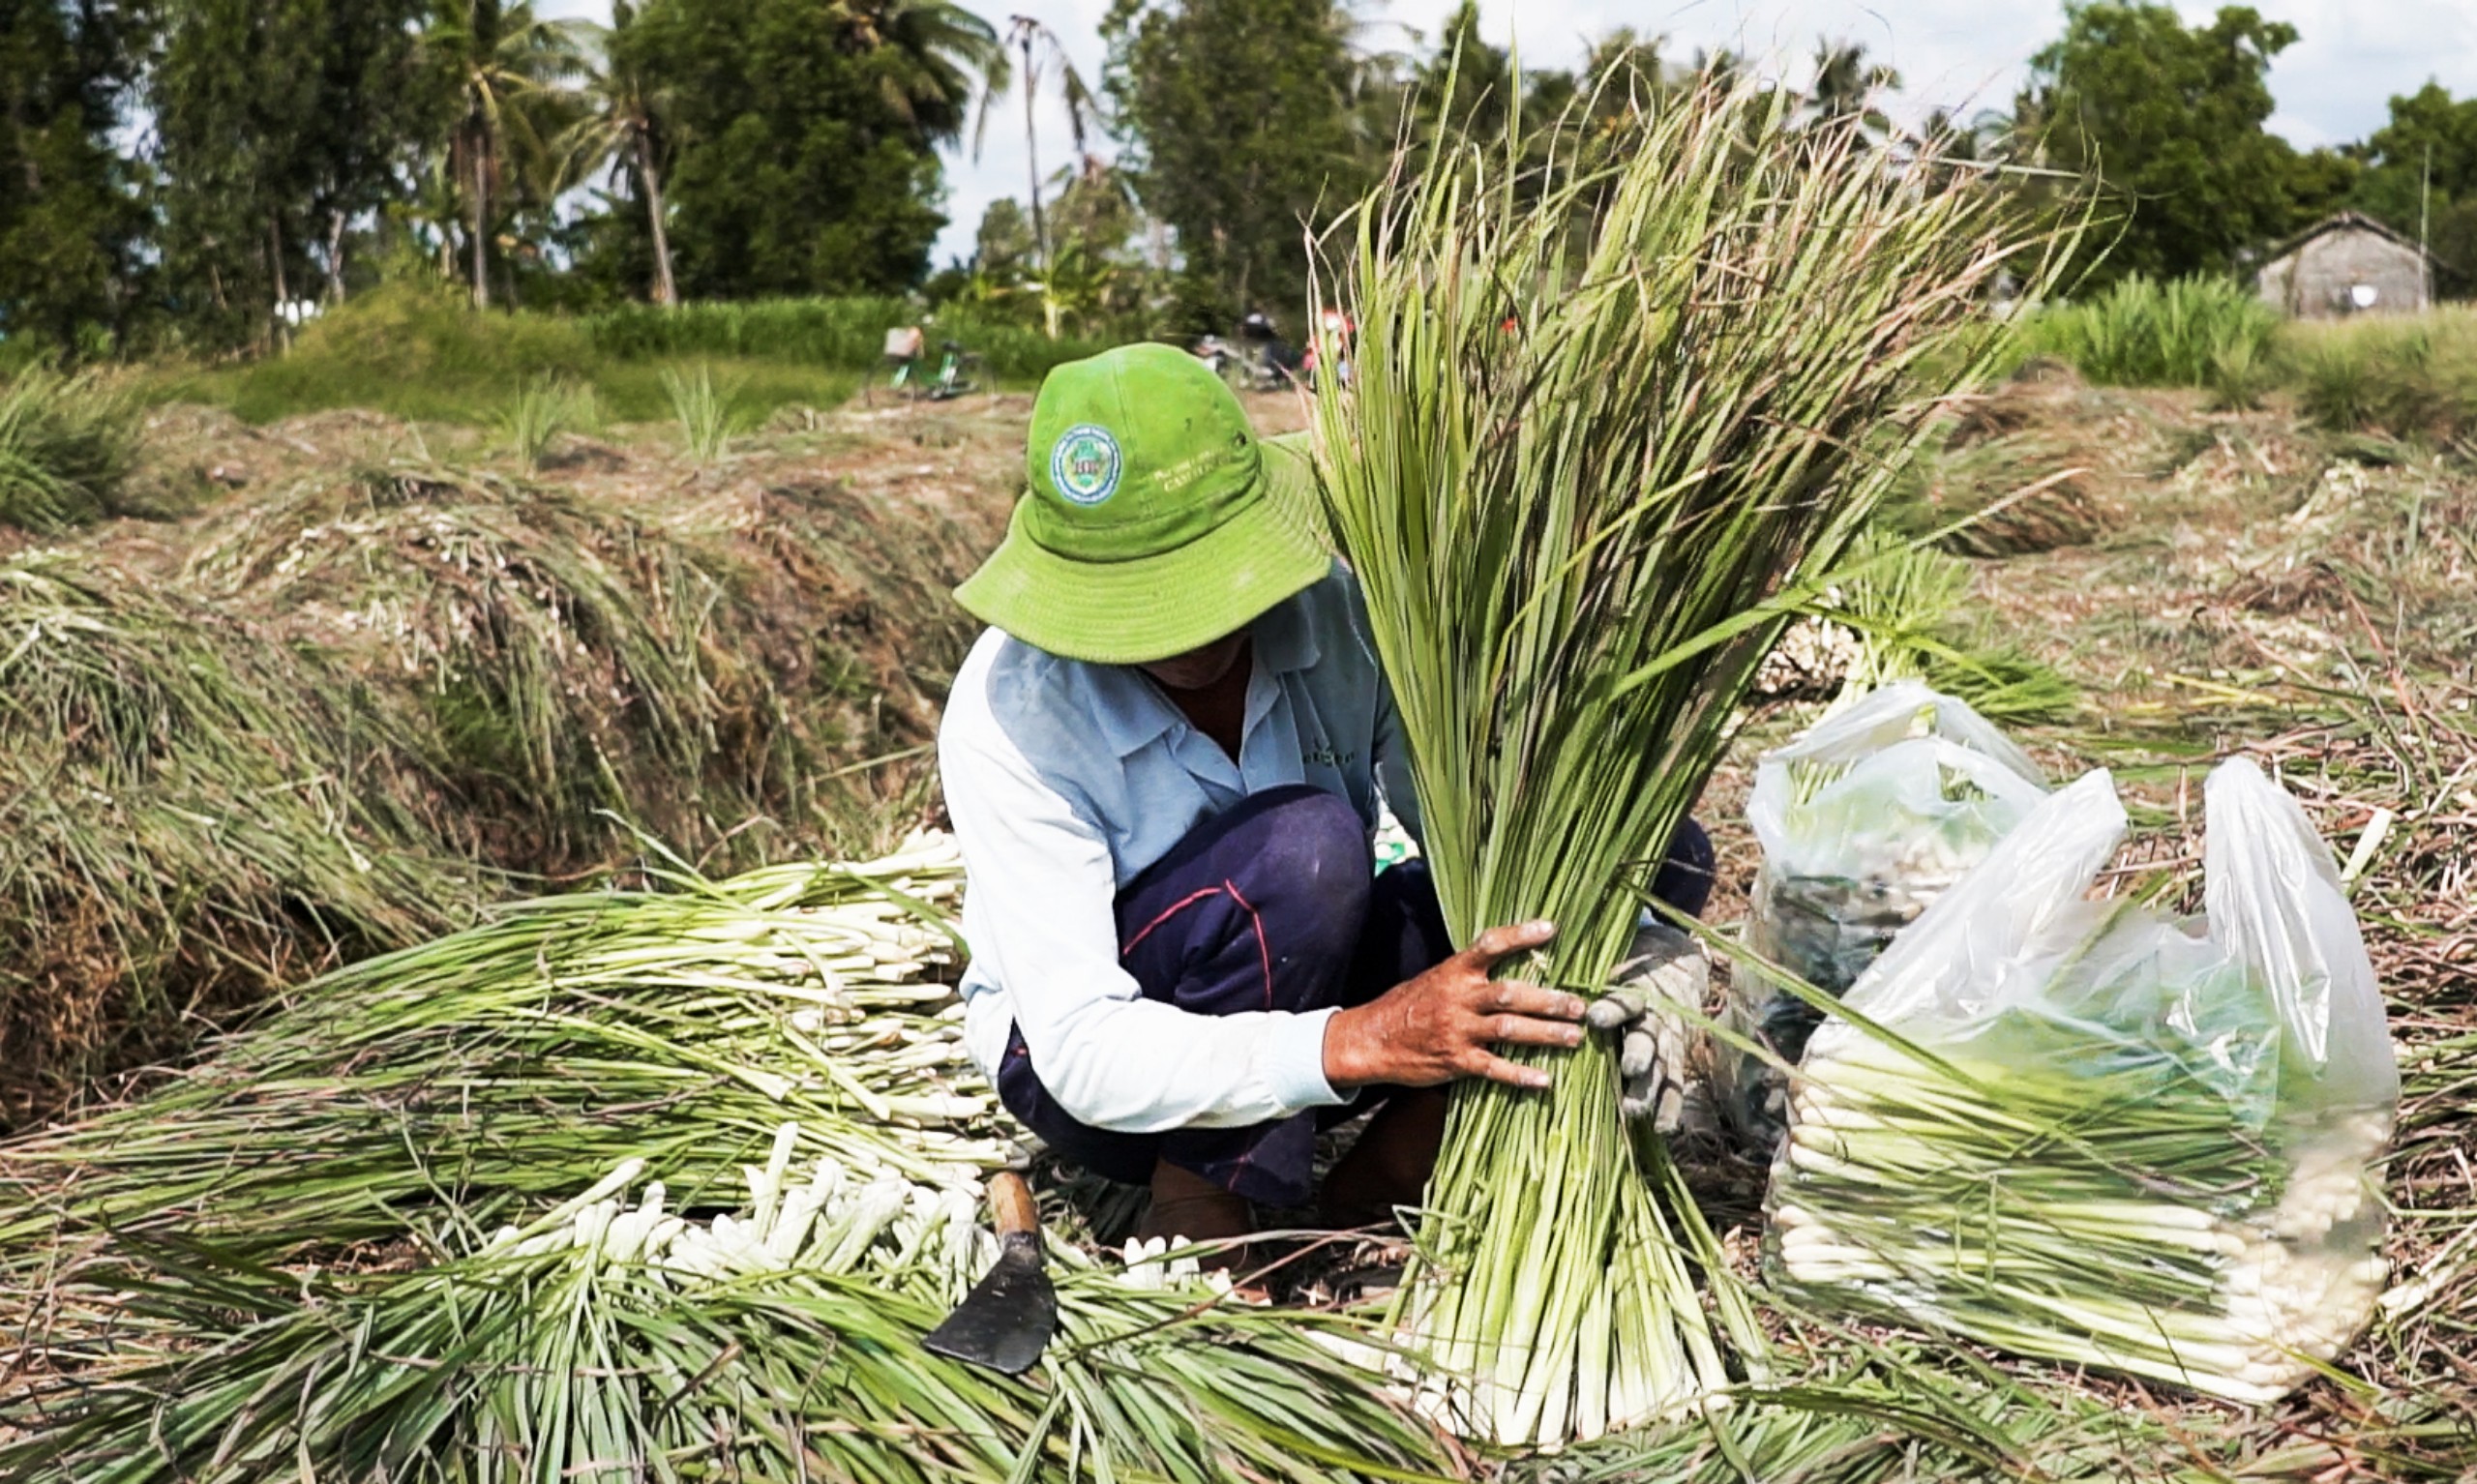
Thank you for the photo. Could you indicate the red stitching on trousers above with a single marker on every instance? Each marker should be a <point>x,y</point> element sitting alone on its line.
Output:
<point>1264,950</point>
<point>1170,911</point>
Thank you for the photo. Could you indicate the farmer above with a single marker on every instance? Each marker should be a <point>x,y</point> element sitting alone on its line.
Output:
<point>1164,760</point>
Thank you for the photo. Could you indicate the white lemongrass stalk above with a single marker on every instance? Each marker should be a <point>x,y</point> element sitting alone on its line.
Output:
<point>2064,1197</point>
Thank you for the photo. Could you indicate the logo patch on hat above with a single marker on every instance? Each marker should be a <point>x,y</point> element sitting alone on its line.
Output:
<point>1085,464</point>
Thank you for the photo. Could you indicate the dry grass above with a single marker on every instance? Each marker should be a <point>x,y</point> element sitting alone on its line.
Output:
<point>385,677</point>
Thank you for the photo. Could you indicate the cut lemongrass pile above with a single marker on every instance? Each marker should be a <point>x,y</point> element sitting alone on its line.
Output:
<point>2095,1134</point>
<point>617,1337</point>
<point>514,1060</point>
<point>623,1185</point>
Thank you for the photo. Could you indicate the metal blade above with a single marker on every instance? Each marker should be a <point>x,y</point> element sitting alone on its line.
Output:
<point>1006,1320</point>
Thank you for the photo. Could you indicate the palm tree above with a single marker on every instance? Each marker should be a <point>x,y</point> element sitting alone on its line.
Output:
<point>1846,85</point>
<point>508,71</point>
<point>623,127</point>
<point>1041,50</point>
<point>931,57</point>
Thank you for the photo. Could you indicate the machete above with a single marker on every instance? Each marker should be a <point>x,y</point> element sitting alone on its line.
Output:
<point>1006,1322</point>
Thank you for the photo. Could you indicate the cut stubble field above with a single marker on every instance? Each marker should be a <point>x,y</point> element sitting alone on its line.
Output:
<point>2212,583</point>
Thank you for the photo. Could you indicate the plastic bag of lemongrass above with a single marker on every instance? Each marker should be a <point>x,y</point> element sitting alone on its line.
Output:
<point>1864,821</point>
<point>2092,1133</point>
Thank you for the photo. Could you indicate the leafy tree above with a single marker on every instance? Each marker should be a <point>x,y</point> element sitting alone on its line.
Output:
<point>1005,242</point>
<point>70,222</point>
<point>627,128</point>
<point>279,124</point>
<point>509,73</point>
<point>2169,118</point>
<point>807,134</point>
<point>2419,174</point>
<point>1235,115</point>
<point>1468,85</point>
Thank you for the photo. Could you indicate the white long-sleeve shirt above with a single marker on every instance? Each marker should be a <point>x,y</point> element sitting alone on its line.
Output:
<point>1066,778</point>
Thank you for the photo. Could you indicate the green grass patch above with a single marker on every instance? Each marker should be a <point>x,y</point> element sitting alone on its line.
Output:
<point>2409,376</point>
<point>416,350</point>
<point>844,333</point>
<point>2196,332</point>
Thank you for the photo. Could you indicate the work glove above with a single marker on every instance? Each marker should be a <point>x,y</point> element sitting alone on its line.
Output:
<point>1665,969</point>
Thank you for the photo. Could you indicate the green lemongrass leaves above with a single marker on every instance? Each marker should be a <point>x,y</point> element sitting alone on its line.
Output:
<point>728,1140</point>
<point>457,1081</point>
<point>1609,423</point>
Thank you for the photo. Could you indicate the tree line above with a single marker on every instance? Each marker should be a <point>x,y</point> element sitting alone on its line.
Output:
<point>189,174</point>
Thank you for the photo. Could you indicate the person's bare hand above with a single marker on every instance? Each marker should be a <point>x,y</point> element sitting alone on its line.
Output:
<point>1443,1024</point>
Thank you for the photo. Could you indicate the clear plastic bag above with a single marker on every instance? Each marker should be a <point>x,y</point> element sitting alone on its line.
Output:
<point>1864,821</point>
<point>2090,1132</point>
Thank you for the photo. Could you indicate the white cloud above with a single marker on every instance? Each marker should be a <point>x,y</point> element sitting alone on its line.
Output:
<point>2332,86</point>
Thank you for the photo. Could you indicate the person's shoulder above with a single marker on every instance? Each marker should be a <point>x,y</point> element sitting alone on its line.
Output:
<point>1336,612</point>
<point>1002,677</point>
<point>1013,697</point>
<point>1333,599</point>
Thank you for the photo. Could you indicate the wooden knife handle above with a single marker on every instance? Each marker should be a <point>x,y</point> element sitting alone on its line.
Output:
<point>1010,1204</point>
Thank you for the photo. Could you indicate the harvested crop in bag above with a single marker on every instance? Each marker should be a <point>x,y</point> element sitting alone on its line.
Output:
<point>1864,820</point>
<point>2087,1132</point>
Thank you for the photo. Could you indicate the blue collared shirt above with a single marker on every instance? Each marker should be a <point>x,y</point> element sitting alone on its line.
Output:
<point>1066,778</point>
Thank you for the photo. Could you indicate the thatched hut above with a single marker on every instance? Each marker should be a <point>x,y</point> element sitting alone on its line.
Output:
<point>2348,264</point>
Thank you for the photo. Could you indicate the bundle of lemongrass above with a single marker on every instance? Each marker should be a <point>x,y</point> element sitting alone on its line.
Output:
<point>1864,821</point>
<point>349,1244</point>
<point>2086,1133</point>
<point>1611,421</point>
<point>493,1067</point>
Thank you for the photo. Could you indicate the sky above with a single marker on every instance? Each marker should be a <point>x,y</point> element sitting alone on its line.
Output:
<point>2332,86</point>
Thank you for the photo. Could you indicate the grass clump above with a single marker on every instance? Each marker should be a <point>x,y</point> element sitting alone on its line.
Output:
<point>1908,604</point>
<point>2408,376</point>
<point>708,417</point>
<point>68,444</point>
<point>2190,332</point>
<point>190,816</point>
<point>545,410</point>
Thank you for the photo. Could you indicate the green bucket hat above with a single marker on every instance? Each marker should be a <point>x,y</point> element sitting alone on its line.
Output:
<point>1156,521</point>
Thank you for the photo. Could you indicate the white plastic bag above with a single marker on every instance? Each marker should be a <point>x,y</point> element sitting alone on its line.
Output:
<point>2087,1131</point>
<point>1864,821</point>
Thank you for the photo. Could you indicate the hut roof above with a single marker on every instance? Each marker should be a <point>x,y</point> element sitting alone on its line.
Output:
<point>2339,221</point>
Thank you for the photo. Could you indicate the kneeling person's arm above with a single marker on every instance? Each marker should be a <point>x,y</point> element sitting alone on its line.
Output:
<point>1039,915</point>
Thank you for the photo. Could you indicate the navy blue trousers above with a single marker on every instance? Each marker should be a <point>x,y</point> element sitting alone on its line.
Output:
<point>1271,906</point>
